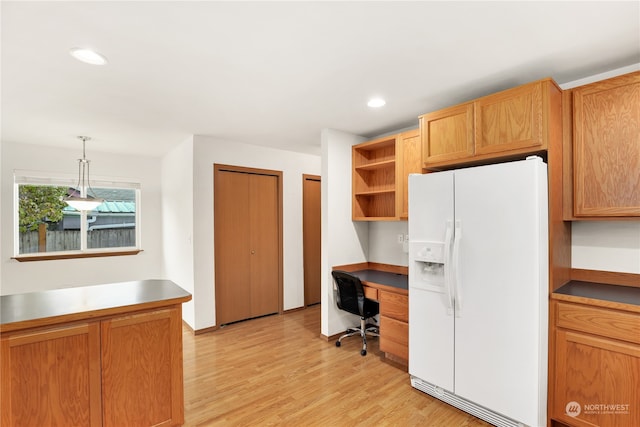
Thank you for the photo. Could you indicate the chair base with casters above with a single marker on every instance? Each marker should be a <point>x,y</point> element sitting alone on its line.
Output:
<point>350,298</point>
<point>364,330</point>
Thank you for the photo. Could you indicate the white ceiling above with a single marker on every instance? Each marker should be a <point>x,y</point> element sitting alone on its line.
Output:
<point>276,73</point>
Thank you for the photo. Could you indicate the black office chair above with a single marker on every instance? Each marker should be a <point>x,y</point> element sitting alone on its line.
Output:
<point>350,297</point>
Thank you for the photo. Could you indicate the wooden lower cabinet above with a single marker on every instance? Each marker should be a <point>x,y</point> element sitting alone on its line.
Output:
<point>394,324</point>
<point>142,369</point>
<point>596,372</point>
<point>121,371</point>
<point>51,377</point>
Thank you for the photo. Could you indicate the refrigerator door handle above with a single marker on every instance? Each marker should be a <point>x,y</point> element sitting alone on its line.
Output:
<point>448,266</point>
<point>456,268</point>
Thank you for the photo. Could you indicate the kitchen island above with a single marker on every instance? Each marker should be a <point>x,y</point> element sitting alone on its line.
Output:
<point>105,355</point>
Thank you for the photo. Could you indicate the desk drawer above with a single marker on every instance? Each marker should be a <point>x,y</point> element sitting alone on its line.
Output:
<point>599,321</point>
<point>393,305</point>
<point>394,337</point>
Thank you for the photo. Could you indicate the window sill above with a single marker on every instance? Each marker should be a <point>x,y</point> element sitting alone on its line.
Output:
<point>26,258</point>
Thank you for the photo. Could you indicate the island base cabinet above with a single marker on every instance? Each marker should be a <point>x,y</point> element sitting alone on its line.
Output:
<point>142,353</point>
<point>596,381</point>
<point>118,371</point>
<point>51,377</point>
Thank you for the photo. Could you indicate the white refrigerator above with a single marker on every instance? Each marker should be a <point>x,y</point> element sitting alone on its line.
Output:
<point>478,287</point>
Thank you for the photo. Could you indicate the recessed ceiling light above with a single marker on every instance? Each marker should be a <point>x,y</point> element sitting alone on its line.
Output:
<point>88,56</point>
<point>376,102</point>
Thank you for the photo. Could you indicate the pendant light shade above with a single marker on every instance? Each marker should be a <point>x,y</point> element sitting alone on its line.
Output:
<point>80,199</point>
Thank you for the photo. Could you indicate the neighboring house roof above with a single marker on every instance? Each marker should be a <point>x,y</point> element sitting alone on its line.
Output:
<point>117,207</point>
<point>108,207</point>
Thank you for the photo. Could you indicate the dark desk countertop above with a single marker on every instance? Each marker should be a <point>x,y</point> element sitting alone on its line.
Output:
<point>394,280</point>
<point>58,305</point>
<point>600,291</point>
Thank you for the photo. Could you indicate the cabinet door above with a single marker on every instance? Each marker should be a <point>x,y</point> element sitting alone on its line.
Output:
<point>51,377</point>
<point>142,369</point>
<point>596,381</point>
<point>510,120</point>
<point>411,149</point>
<point>606,147</point>
<point>447,134</point>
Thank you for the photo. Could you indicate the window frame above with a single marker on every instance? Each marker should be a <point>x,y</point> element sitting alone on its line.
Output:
<point>65,180</point>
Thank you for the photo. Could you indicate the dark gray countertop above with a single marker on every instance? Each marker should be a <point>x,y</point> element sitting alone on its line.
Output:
<point>395,280</point>
<point>601,291</point>
<point>91,300</point>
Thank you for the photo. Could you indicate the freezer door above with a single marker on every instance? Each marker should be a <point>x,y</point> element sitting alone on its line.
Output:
<point>430,306</point>
<point>501,317</point>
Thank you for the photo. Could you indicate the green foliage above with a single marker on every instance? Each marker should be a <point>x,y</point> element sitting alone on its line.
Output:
<point>39,204</point>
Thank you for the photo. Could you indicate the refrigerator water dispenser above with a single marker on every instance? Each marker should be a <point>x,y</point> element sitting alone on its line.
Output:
<point>427,265</point>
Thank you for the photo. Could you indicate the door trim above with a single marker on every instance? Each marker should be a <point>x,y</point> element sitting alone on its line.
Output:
<point>216,243</point>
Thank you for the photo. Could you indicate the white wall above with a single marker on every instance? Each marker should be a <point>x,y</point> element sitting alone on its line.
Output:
<point>18,277</point>
<point>607,246</point>
<point>177,221</point>
<point>383,242</point>
<point>343,241</point>
<point>206,152</point>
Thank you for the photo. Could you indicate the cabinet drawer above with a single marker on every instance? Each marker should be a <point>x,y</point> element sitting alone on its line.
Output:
<point>394,337</point>
<point>371,293</point>
<point>394,330</point>
<point>393,305</point>
<point>599,321</point>
<point>392,347</point>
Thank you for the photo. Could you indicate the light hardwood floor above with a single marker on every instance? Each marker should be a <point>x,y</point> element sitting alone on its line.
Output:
<point>277,370</point>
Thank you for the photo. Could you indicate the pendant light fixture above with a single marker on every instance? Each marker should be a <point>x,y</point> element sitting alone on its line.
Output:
<point>79,198</point>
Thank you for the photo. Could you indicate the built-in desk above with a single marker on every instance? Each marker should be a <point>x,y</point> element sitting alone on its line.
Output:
<point>387,284</point>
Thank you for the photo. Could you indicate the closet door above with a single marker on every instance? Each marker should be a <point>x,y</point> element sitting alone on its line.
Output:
<point>248,243</point>
<point>263,242</point>
<point>311,236</point>
<point>232,246</point>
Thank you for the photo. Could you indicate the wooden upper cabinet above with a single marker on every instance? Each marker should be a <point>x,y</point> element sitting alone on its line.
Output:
<point>508,124</point>
<point>511,119</point>
<point>411,148</point>
<point>447,134</point>
<point>606,148</point>
<point>380,176</point>
<point>375,178</point>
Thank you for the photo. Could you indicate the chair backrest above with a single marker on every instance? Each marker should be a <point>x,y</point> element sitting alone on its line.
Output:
<point>350,295</point>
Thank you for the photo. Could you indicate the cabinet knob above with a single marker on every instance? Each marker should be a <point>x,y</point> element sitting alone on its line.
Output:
<point>253,252</point>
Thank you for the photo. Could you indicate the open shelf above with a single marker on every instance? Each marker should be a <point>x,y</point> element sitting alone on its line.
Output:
<point>374,180</point>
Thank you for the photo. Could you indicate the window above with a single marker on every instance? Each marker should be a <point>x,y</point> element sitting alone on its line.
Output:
<point>47,228</point>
